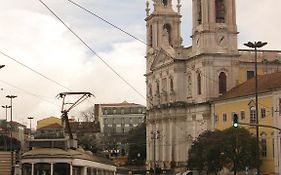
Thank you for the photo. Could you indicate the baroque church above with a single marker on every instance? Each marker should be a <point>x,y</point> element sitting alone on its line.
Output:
<point>182,81</point>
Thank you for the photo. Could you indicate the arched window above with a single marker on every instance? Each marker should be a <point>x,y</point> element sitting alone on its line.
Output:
<point>199,10</point>
<point>157,88</point>
<point>189,85</point>
<point>199,84</point>
<point>171,84</point>
<point>252,115</point>
<point>151,36</point>
<point>167,28</point>
<point>222,83</point>
<point>164,2</point>
<point>220,11</point>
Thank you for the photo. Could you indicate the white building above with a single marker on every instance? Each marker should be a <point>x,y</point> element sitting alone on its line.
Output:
<point>181,81</point>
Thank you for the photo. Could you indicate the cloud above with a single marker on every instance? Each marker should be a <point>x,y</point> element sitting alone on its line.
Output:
<point>42,43</point>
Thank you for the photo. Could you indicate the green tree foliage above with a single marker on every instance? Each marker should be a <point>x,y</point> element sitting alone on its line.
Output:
<point>5,143</point>
<point>233,148</point>
<point>137,145</point>
<point>88,142</point>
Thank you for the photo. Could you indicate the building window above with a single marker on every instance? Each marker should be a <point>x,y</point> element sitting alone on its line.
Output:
<point>273,148</point>
<point>222,83</point>
<point>171,85</point>
<point>167,28</point>
<point>224,117</point>
<point>220,11</point>
<point>242,114</point>
<point>263,113</point>
<point>252,115</point>
<point>199,9</point>
<point>157,88</point>
<point>150,38</point>
<point>250,74</point>
<point>279,107</point>
<point>199,84</point>
<point>216,119</point>
<point>263,148</point>
<point>189,86</point>
<point>165,2</point>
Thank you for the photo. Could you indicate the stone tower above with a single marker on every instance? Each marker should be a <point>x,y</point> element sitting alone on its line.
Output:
<point>214,26</point>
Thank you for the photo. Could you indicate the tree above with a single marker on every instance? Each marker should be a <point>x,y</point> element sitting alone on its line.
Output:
<point>5,143</point>
<point>240,149</point>
<point>88,142</point>
<point>89,115</point>
<point>205,153</point>
<point>234,148</point>
<point>137,144</point>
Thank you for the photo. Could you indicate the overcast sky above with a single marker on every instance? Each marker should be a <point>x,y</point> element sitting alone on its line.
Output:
<point>33,36</point>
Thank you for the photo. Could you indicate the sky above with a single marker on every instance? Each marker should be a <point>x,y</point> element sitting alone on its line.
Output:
<point>32,36</point>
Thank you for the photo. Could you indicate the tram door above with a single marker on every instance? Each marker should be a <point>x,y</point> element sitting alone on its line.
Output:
<point>61,169</point>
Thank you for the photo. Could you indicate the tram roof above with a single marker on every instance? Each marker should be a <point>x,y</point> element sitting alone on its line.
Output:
<point>61,153</point>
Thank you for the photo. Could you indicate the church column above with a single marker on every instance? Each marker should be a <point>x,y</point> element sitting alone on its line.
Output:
<point>205,13</point>
<point>194,14</point>
<point>32,169</point>
<point>212,12</point>
<point>52,168</point>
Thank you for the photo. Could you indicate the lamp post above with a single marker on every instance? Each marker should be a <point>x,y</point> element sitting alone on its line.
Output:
<point>11,130</point>
<point>256,45</point>
<point>30,118</point>
<point>6,109</point>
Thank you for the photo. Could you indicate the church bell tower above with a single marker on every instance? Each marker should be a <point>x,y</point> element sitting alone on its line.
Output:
<point>163,20</point>
<point>214,26</point>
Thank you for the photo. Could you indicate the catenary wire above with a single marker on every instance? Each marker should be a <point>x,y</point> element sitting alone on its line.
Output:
<point>95,53</point>
<point>106,21</point>
<point>33,70</point>
<point>115,26</point>
<point>29,93</point>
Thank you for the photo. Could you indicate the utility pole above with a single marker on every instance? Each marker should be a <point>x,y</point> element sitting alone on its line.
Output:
<point>255,45</point>
<point>11,131</point>
<point>154,135</point>
<point>30,118</point>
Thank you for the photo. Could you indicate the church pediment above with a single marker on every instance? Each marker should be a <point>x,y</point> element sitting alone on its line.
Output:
<point>161,58</point>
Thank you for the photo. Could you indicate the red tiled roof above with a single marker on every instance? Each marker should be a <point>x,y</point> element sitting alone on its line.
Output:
<point>266,83</point>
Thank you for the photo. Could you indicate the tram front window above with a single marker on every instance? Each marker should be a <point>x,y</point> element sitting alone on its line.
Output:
<point>26,169</point>
<point>42,169</point>
<point>61,169</point>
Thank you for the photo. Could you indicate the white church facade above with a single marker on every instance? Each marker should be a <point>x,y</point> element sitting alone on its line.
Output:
<point>182,81</point>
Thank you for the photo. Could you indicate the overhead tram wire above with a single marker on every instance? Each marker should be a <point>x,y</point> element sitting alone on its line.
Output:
<point>8,56</point>
<point>95,53</point>
<point>127,33</point>
<point>106,21</point>
<point>29,93</point>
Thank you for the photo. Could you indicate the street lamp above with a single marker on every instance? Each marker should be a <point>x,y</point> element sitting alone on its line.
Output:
<point>11,130</point>
<point>30,118</point>
<point>6,109</point>
<point>256,45</point>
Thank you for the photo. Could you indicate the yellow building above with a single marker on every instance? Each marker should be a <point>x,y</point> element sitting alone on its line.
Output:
<point>241,100</point>
<point>48,121</point>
